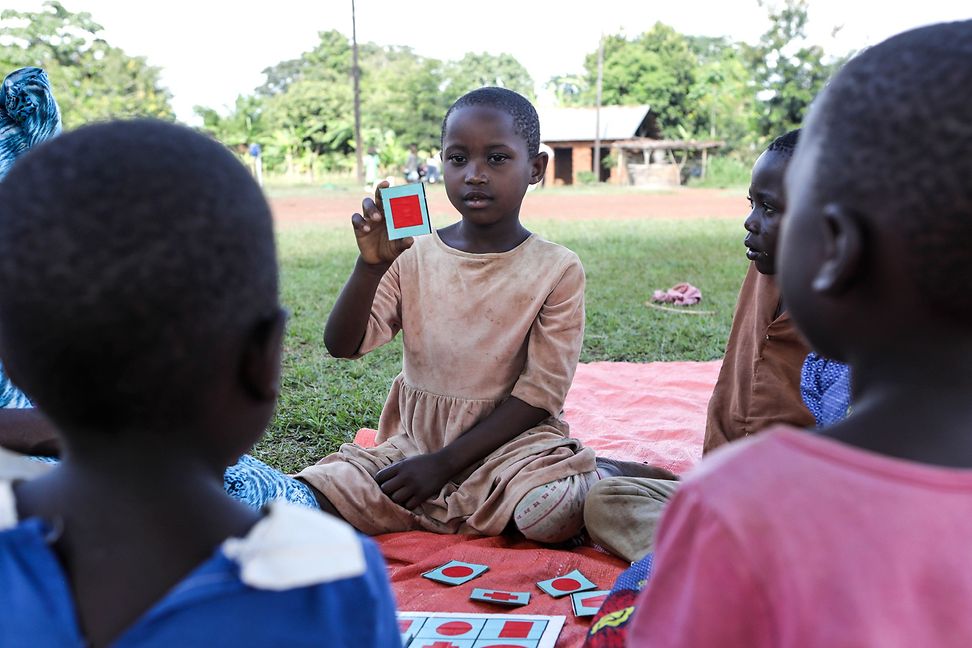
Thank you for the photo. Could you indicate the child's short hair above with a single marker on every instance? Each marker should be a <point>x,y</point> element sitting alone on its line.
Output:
<point>897,144</point>
<point>526,122</point>
<point>785,144</point>
<point>130,252</point>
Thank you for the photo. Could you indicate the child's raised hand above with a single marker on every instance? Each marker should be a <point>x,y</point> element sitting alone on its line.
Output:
<point>371,234</point>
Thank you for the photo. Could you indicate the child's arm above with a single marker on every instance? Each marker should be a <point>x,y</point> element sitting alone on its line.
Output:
<point>412,481</point>
<point>28,431</point>
<point>348,321</point>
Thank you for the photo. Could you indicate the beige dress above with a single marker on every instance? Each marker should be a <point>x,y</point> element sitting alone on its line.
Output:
<point>477,328</point>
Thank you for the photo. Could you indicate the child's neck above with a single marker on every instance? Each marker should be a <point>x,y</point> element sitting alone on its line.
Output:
<point>484,239</point>
<point>129,527</point>
<point>914,404</point>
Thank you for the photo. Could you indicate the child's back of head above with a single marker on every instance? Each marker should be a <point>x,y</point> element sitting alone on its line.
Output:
<point>889,147</point>
<point>138,308</point>
<point>132,256</point>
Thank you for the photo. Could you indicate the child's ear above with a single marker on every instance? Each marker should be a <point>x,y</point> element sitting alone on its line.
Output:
<point>261,357</point>
<point>843,250</point>
<point>538,167</point>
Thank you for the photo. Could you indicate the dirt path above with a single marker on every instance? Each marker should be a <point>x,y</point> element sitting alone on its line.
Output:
<point>556,205</point>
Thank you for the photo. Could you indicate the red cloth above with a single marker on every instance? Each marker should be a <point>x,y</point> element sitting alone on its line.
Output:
<point>515,565</point>
<point>681,294</point>
<point>652,412</point>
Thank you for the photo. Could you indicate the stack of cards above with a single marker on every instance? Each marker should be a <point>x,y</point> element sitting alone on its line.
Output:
<point>588,603</point>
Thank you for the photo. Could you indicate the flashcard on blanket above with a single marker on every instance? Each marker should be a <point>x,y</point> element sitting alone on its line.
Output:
<point>566,584</point>
<point>499,597</point>
<point>406,211</point>
<point>457,630</point>
<point>588,603</point>
<point>455,572</point>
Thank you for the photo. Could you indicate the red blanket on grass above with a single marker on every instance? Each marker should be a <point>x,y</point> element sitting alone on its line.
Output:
<point>652,412</point>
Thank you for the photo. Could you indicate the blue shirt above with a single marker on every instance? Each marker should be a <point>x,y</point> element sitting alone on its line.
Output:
<point>825,387</point>
<point>327,588</point>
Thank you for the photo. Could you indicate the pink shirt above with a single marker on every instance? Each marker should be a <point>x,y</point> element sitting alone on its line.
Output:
<point>792,539</point>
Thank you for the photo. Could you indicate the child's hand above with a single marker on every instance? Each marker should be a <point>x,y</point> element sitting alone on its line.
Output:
<point>371,235</point>
<point>412,481</point>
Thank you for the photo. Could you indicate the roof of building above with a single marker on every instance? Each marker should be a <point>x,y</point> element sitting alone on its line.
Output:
<point>580,124</point>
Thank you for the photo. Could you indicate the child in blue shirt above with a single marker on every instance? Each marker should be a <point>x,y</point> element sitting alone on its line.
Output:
<point>139,311</point>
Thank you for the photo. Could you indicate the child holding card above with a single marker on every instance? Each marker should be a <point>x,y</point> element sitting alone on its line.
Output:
<point>471,437</point>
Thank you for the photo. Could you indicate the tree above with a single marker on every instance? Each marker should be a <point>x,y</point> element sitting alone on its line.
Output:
<point>91,79</point>
<point>788,72</point>
<point>656,68</point>
<point>722,99</point>
<point>477,70</point>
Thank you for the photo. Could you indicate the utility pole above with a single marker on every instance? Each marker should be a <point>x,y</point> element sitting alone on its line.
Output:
<point>597,111</point>
<point>356,73</point>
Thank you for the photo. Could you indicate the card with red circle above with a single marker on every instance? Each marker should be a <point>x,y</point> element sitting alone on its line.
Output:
<point>566,584</point>
<point>455,572</point>
<point>588,603</point>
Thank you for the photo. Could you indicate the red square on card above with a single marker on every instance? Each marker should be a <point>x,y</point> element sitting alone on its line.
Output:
<point>406,211</point>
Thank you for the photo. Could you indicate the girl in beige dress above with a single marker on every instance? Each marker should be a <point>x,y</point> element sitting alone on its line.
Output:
<point>471,438</point>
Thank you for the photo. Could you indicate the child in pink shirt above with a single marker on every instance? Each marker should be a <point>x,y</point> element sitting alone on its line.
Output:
<point>858,536</point>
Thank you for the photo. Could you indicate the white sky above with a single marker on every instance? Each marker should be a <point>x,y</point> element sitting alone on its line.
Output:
<point>210,51</point>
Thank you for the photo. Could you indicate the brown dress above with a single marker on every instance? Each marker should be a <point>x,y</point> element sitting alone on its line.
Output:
<point>759,383</point>
<point>477,328</point>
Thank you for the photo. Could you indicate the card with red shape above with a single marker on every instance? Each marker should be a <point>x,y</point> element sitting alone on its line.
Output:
<point>457,630</point>
<point>455,572</point>
<point>500,597</point>
<point>409,627</point>
<point>566,584</point>
<point>406,211</point>
<point>588,603</point>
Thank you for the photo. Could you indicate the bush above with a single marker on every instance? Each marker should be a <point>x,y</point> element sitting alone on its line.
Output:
<point>586,178</point>
<point>724,171</point>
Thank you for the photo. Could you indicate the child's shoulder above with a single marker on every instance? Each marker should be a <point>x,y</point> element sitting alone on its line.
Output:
<point>294,546</point>
<point>553,250</point>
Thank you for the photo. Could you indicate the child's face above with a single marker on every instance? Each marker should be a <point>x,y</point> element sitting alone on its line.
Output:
<point>768,205</point>
<point>486,165</point>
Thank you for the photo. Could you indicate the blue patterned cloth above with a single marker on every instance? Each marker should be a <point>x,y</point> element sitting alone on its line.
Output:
<point>256,484</point>
<point>609,627</point>
<point>825,387</point>
<point>28,114</point>
<point>10,396</point>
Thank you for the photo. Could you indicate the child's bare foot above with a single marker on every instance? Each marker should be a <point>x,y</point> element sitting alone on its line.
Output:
<point>616,468</point>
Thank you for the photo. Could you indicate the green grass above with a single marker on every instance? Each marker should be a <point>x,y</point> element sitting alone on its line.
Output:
<point>324,401</point>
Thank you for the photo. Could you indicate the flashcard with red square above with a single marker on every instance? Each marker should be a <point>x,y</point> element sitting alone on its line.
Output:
<point>499,597</point>
<point>588,603</point>
<point>455,572</point>
<point>406,211</point>
<point>566,584</point>
<point>456,630</point>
